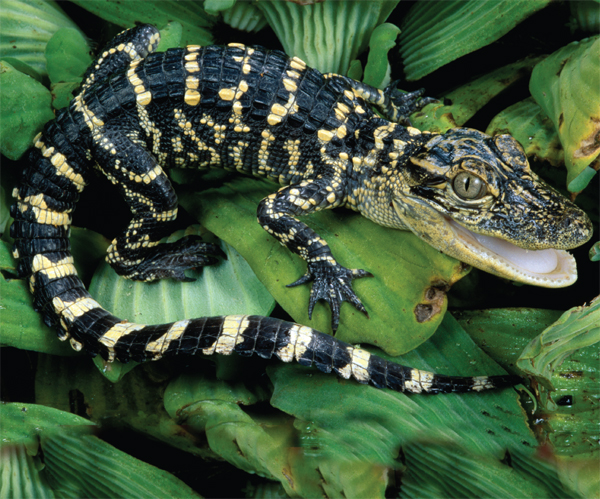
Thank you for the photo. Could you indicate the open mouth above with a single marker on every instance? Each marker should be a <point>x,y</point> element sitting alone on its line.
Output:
<point>548,267</point>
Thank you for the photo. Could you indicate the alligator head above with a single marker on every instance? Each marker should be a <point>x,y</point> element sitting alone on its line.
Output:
<point>475,198</point>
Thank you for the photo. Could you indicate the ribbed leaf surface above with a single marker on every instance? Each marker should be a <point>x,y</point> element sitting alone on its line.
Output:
<point>436,33</point>
<point>195,21</point>
<point>27,25</point>
<point>327,35</point>
<point>75,463</point>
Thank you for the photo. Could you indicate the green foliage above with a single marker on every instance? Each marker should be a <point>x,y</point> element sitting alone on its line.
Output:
<point>577,329</point>
<point>527,122</point>
<point>22,118</point>
<point>327,35</point>
<point>27,25</point>
<point>195,21</point>
<point>466,100</point>
<point>434,34</point>
<point>75,463</point>
<point>564,359</point>
<point>567,87</point>
<point>377,70</point>
<point>67,44</point>
<point>311,433</point>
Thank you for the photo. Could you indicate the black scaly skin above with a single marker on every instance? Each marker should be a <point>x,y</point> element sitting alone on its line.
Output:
<point>233,107</point>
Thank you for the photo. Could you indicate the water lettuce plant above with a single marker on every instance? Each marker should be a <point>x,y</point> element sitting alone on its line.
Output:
<point>231,426</point>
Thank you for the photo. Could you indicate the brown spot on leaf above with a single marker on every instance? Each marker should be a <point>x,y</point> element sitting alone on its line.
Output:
<point>423,312</point>
<point>433,301</point>
<point>591,143</point>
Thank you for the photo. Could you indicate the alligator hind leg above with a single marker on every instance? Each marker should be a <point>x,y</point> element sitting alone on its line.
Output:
<point>392,103</point>
<point>138,253</point>
<point>332,282</point>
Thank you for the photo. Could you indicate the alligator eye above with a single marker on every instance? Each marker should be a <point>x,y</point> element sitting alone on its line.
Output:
<point>468,186</point>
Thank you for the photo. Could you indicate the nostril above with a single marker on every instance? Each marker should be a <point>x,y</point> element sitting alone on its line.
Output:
<point>567,221</point>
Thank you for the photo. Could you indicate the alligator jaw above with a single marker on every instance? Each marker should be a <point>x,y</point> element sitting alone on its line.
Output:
<point>549,268</point>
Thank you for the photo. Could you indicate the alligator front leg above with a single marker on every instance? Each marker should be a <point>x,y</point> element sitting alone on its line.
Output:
<point>332,282</point>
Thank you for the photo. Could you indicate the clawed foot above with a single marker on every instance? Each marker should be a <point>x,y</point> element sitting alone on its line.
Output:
<point>334,285</point>
<point>407,103</point>
<point>171,260</point>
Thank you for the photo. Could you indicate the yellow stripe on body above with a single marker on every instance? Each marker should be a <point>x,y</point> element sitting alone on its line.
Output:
<point>420,381</point>
<point>160,346</point>
<point>65,170</point>
<point>115,333</point>
<point>45,217</point>
<point>231,335</point>
<point>71,310</point>
<point>52,270</point>
<point>360,365</point>
<point>481,383</point>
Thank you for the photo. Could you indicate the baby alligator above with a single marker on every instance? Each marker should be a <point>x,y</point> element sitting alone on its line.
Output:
<point>258,112</point>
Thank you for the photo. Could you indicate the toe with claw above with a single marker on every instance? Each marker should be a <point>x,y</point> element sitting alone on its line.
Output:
<point>333,284</point>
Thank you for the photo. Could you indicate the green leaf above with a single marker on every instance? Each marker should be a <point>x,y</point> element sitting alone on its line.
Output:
<point>5,202</point>
<point>595,252</point>
<point>213,7</point>
<point>377,70</point>
<point>511,329</point>
<point>577,328</point>
<point>410,276</point>
<point>76,463</point>
<point>567,87</point>
<point>27,25</point>
<point>23,423</point>
<point>24,107</point>
<point>257,443</point>
<point>20,473</point>
<point>436,33</point>
<point>448,471</point>
<point>586,15</point>
<point>470,98</point>
<point>195,21</point>
<point>245,16</point>
<point>527,123</point>
<point>136,401</point>
<point>67,55</point>
<point>355,71</point>
<point>170,37</point>
<point>565,358</point>
<point>24,68</point>
<point>326,35</point>
<point>580,474</point>
<point>62,93</point>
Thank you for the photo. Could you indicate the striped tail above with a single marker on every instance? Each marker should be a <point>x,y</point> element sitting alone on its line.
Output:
<point>42,213</point>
